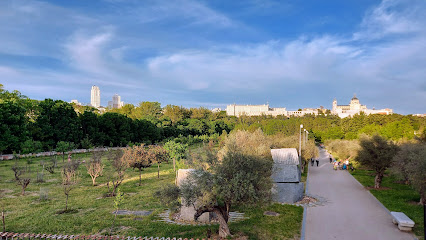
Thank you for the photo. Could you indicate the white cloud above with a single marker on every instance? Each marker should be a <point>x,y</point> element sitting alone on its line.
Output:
<point>393,17</point>
<point>194,12</point>
<point>254,67</point>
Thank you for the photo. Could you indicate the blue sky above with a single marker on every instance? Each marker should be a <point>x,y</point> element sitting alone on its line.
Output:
<point>292,54</point>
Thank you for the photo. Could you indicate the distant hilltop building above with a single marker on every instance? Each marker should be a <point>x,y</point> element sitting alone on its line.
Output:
<point>116,102</point>
<point>95,97</point>
<point>253,110</point>
<point>355,107</point>
<point>76,102</point>
<point>258,110</point>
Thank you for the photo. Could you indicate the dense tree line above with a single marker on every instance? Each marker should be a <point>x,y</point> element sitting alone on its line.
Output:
<point>28,125</point>
<point>322,127</point>
<point>32,126</point>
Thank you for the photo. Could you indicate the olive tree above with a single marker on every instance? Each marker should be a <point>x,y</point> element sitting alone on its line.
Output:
<point>376,153</point>
<point>410,163</point>
<point>236,179</point>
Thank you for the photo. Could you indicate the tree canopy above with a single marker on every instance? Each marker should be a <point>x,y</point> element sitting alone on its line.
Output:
<point>377,153</point>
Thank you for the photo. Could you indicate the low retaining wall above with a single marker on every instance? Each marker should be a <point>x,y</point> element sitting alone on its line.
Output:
<point>11,235</point>
<point>53,153</point>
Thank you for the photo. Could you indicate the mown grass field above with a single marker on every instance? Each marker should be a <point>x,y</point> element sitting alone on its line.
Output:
<point>396,197</point>
<point>30,214</point>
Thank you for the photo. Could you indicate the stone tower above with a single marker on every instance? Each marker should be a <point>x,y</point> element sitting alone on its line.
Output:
<point>355,105</point>
<point>334,105</point>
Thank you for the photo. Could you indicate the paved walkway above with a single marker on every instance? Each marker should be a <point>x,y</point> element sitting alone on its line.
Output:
<point>349,212</point>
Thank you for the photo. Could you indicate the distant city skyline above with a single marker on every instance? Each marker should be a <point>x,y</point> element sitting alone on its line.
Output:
<point>297,54</point>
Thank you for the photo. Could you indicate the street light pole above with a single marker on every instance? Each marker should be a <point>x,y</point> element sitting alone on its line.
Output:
<point>307,136</point>
<point>304,137</point>
<point>300,144</point>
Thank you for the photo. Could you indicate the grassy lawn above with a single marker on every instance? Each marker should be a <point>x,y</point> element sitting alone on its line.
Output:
<point>30,214</point>
<point>395,197</point>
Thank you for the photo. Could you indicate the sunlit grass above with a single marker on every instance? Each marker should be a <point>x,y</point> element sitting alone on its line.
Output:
<point>395,197</point>
<point>29,214</point>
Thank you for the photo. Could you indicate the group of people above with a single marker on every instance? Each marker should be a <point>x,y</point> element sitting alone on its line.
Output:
<point>339,164</point>
<point>314,160</point>
<point>342,165</point>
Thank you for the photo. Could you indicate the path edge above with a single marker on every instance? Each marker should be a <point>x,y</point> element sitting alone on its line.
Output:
<point>380,203</point>
<point>305,208</point>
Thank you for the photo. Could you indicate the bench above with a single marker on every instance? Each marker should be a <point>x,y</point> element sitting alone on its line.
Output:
<point>404,222</point>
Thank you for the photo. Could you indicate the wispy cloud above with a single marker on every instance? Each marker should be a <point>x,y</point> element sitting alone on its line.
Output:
<point>393,17</point>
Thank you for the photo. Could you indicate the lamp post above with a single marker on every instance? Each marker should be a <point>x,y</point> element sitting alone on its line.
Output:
<point>307,135</point>
<point>304,137</point>
<point>300,144</point>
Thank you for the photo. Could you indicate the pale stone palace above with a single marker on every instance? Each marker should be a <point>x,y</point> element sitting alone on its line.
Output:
<point>355,107</point>
<point>341,110</point>
<point>258,110</point>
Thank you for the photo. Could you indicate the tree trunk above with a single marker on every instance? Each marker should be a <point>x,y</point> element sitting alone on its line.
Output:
<point>378,180</point>
<point>140,176</point>
<point>158,167</point>
<point>66,204</point>
<point>4,223</point>
<point>174,164</point>
<point>113,222</point>
<point>93,181</point>
<point>224,231</point>
<point>23,190</point>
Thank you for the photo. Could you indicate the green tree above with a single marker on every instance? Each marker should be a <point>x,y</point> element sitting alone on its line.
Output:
<point>91,128</point>
<point>13,126</point>
<point>177,151</point>
<point>410,163</point>
<point>64,147</point>
<point>56,121</point>
<point>237,179</point>
<point>148,110</point>
<point>119,199</point>
<point>200,113</point>
<point>31,146</point>
<point>376,153</point>
<point>175,113</point>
